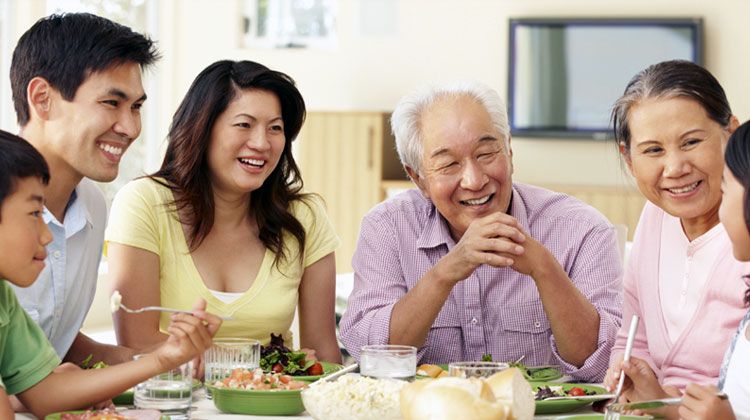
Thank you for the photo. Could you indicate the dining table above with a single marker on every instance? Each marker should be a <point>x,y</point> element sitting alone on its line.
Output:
<point>203,408</point>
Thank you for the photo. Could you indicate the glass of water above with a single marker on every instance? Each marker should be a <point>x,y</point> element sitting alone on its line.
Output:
<point>475,369</point>
<point>170,392</point>
<point>227,354</point>
<point>388,361</point>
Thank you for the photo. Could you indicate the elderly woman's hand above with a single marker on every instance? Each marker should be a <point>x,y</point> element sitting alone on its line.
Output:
<point>644,384</point>
<point>612,377</point>
<point>702,403</point>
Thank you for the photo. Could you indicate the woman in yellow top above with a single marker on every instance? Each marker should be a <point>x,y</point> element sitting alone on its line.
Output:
<point>225,219</point>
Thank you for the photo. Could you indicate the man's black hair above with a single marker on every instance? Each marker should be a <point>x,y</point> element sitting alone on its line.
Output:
<point>66,48</point>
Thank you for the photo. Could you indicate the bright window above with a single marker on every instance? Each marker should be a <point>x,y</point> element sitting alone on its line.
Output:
<point>289,24</point>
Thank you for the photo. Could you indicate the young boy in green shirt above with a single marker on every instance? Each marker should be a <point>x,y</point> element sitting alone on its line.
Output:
<point>27,359</point>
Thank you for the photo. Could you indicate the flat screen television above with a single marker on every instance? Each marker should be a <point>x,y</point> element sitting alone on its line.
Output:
<point>564,75</point>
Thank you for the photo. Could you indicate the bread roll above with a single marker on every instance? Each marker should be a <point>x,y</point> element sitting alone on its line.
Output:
<point>433,371</point>
<point>511,387</point>
<point>451,398</point>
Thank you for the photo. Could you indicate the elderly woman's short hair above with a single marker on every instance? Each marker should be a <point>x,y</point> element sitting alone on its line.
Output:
<point>666,80</point>
<point>406,118</point>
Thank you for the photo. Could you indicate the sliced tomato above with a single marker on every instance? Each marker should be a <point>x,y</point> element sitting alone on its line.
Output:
<point>576,392</point>
<point>316,369</point>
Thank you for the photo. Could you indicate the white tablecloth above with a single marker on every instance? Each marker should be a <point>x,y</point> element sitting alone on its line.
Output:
<point>204,409</point>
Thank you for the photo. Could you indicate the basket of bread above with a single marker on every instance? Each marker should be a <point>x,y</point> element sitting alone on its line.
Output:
<point>504,395</point>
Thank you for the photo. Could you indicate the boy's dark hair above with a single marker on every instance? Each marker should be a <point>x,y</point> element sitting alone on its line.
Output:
<point>737,157</point>
<point>66,48</point>
<point>18,160</point>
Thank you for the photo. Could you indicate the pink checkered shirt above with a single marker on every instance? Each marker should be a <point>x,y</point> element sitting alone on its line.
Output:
<point>495,311</point>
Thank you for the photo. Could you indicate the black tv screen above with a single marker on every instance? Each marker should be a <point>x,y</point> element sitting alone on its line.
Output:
<point>565,74</point>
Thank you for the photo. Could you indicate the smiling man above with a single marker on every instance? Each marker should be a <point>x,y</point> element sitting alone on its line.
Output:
<point>471,263</point>
<point>77,92</point>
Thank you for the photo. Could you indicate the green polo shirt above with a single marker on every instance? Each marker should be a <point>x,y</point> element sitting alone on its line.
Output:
<point>26,357</point>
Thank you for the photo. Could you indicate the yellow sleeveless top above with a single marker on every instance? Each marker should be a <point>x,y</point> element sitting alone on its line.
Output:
<point>142,217</point>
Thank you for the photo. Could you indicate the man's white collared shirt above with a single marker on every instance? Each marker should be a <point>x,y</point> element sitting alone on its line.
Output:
<point>61,296</point>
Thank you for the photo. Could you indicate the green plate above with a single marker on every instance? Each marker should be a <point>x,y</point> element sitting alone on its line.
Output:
<point>600,417</point>
<point>57,416</point>
<point>262,403</point>
<point>327,368</point>
<point>126,398</point>
<point>563,406</point>
<point>543,374</point>
<point>537,374</point>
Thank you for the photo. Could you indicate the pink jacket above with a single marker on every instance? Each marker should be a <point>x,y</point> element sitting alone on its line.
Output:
<point>697,355</point>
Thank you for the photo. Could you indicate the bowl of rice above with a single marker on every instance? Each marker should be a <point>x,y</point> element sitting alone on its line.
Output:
<point>354,397</point>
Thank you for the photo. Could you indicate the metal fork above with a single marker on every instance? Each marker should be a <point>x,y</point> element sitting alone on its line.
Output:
<point>651,404</point>
<point>334,375</point>
<point>161,309</point>
<point>626,356</point>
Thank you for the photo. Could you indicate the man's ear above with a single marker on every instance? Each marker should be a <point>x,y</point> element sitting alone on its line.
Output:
<point>39,97</point>
<point>510,154</point>
<point>733,124</point>
<point>415,178</point>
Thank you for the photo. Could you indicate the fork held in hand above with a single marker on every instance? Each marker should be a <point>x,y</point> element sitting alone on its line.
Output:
<point>161,309</point>
<point>626,356</point>
<point>651,404</point>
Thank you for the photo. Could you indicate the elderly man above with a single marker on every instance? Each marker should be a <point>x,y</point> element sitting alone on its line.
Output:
<point>472,263</point>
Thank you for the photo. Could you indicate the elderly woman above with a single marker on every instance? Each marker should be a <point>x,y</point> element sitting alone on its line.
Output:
<point>472,263</point>
<point>225,219</point>
<point>672,124</point>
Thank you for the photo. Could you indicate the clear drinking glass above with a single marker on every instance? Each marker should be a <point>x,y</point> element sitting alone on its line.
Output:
<point>171,391</point>
<point>388,361</point>
<point>227,354</point>
<point>475,369</point>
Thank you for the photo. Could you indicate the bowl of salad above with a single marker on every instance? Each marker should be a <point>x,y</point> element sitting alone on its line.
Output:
<point>258,393</point>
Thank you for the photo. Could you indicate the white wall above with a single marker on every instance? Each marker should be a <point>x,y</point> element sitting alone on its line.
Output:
<point>406,43</point>
<point>439,40</point>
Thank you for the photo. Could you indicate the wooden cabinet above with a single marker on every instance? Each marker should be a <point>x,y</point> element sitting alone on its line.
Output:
<point>344,157</point>
<point>620,204</point>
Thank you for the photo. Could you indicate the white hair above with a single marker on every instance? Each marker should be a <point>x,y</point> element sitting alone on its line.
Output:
<point>406,118</point>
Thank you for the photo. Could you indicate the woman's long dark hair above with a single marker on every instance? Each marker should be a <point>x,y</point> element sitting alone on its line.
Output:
<point>185,167</point>
<point>737,157</point>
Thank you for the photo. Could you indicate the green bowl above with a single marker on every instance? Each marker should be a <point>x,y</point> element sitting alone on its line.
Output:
<point>262,403</point>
